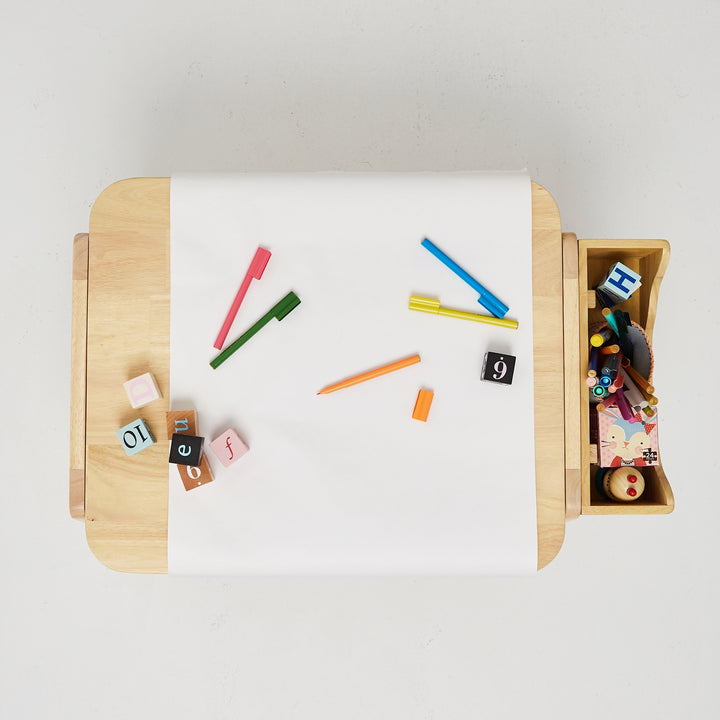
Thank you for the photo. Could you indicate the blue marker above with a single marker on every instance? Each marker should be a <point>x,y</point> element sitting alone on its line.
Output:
<point>486,299</point>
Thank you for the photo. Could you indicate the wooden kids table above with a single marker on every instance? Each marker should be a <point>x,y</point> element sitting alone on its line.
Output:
<point>121,327</point>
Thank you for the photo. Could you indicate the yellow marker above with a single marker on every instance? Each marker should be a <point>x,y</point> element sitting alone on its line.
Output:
<point>432,306</point>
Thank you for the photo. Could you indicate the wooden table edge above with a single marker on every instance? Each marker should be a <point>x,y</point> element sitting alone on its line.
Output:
<point>138,209</point>
<point>548,357</point>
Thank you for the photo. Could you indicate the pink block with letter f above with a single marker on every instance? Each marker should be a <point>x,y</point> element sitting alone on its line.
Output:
<point>228,447</point>
<point>142,390</point>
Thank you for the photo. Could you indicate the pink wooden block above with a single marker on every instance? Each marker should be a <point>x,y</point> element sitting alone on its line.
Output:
<point>228,447</point>
<point>142,390</point>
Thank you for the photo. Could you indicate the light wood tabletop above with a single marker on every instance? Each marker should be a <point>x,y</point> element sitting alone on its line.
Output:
<point>121,327</point>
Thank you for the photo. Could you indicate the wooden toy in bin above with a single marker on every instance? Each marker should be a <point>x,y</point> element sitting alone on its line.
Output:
<point>624,484</point>
<point>649,259</point>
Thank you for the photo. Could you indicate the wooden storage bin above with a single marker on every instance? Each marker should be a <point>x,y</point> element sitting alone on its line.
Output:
<point>649,258</point>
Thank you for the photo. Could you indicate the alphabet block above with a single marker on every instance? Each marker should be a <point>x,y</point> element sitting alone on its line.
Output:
<point>185,449</point>
<point>193,476</point>
<point>228,447</point>
<point>184,422</point>
<point>135,436</point>
<point>498,368</point>
<point>142,390</point>
<point>620,282</point>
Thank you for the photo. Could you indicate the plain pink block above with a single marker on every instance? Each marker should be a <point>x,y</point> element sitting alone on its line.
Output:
<point>228,447</point>
<point>142,390</point>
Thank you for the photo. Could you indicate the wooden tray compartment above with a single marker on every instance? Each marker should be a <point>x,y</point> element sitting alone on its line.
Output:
<point>649,258</point>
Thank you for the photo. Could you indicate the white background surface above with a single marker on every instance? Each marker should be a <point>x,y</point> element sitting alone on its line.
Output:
<point>348,482</point>
<point>614,109</point>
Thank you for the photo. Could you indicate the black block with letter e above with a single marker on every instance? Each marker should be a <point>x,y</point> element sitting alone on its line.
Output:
<point>185,450</point>
<point>498,368</point>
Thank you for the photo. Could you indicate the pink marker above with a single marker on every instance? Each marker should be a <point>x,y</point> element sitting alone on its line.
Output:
<point>255,272</point>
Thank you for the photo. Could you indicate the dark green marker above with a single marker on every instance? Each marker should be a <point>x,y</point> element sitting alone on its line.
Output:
<point>279,311</point>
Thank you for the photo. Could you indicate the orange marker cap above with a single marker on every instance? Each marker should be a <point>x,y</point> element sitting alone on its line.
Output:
<point>422,405</point>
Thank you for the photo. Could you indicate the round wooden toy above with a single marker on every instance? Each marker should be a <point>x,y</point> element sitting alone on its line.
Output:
<point>624,484</point>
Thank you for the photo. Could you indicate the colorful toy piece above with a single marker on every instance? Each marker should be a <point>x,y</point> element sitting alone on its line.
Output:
<point>619,283</point>
<point>142,390</point>
<point>228,447</point>
<point>135,437</point>
<point>184,422</point>
<point>185,449</point>
<point>498,368</point>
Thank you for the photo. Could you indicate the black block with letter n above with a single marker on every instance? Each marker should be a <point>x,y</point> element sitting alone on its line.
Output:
<point>498,368</point>
<point>185,449</point>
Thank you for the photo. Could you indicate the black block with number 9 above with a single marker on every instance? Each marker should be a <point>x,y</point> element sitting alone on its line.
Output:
<point>186,450</point>
<point>498,368</point>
